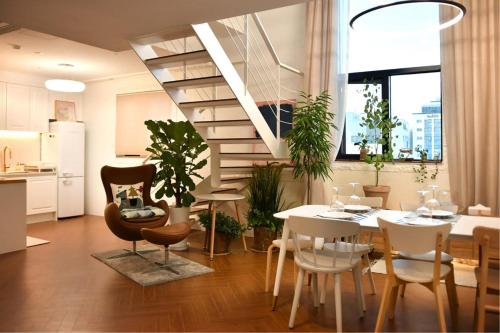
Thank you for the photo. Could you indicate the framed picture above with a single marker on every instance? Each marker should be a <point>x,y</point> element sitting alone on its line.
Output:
<point>65,111</point>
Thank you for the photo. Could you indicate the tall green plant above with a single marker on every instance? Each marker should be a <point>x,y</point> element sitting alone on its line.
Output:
<point>309,140</point>
<point>176,147</point>
<point>378,125</point>
<point>265,196</point>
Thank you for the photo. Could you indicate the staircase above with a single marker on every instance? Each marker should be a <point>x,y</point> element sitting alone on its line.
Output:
<point>218,74</point>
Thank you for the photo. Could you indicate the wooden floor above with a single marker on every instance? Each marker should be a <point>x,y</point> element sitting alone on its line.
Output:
<point>60,287</point>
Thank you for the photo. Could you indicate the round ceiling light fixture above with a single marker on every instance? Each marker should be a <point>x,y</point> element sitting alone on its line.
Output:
<point>65,85</point>
<point>399,16</point>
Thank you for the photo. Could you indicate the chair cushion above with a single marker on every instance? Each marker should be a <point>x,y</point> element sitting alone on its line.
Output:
<point>141,213</point>
<point>347,247</point>
<point>493,279</point>
<point>429,256</point>
<point>128,196</point>
<point>416,270</point>
<point>167,235</point>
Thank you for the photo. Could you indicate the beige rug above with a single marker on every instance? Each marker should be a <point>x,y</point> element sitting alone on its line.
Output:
<point>33,241</point>
<point>464,274</point>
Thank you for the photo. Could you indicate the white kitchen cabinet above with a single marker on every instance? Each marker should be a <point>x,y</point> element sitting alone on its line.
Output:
<point>39,117</point>
<point>41,194</point>
<point>18,107</point>
<point>70,201</point>
<point>3,115</point>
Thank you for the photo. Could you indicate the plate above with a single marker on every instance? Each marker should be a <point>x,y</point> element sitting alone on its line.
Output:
<point>437,214</point>
<point>425,221</point>
<point>337,215</point>
<point>357,208</point>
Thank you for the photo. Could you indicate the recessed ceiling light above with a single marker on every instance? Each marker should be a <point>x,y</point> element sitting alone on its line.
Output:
<point>65,85</point>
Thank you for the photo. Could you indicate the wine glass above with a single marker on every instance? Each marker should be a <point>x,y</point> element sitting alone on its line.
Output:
<point>335,203</point>
<point>433,203</point>
<point>422,209</point>
<point>354,199</point>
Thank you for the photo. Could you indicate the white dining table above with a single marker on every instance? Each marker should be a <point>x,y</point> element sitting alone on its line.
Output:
<point>462,229</point>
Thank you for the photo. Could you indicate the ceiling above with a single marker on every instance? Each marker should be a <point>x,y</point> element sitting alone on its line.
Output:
<point>108,24</point>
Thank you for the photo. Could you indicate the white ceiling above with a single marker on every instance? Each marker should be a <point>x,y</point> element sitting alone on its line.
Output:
<point>92,34</point>
<point>39,54</point>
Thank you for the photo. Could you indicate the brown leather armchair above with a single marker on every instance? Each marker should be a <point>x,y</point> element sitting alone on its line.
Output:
<point>130,229</point>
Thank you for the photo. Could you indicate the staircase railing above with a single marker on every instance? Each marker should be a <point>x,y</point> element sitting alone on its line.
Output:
<point>252,52</point>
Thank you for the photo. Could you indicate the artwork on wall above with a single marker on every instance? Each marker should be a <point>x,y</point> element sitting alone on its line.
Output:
<point>65,111</point>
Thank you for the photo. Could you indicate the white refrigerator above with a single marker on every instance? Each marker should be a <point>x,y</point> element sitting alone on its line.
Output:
<point>64,145</point>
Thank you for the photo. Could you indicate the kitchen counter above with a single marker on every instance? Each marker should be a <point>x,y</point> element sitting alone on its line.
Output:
<point>22,174</point>
<point>9,180</point>
<point>13,210</point>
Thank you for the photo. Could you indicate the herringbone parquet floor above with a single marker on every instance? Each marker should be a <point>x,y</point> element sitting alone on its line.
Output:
<point>60,287</point>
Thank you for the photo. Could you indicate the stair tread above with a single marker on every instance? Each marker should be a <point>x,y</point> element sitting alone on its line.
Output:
<point>179,59</point>
<point>196,82</point>
<point>211,102</point>
<point>230,179</point>
<point>215,139</point>
<point>227,121</point>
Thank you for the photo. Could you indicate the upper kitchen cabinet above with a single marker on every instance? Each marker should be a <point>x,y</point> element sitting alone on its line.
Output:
<point>18,107</point>
<point>39,115</point>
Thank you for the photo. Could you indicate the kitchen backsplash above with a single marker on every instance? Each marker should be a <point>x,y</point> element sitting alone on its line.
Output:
<point>25,146</point>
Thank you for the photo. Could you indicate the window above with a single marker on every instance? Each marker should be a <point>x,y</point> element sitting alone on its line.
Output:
<point>407,68</point>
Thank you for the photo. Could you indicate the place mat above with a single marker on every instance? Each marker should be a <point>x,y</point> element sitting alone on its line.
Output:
<point>144,271</point>
<point>355,216</point>
<point>413,218</point>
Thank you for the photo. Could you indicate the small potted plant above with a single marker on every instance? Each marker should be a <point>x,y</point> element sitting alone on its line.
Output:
<point>310,139</point>
<point>175,148</point>
<point>363,146</point>
<point>226,229</point>
<point>421,172</point>
<point>379,125</point>
<point>265,198</point>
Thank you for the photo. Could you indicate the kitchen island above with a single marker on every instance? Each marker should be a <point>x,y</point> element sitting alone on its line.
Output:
<point>12,214</point>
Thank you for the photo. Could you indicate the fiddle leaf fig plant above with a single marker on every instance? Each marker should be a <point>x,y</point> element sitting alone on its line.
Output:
<point>309,140</point>
<point>176,147</point>
<point>378,125</point>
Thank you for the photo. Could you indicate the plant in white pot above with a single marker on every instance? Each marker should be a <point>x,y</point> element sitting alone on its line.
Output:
<point>175,149</point>
<point>378,124</point>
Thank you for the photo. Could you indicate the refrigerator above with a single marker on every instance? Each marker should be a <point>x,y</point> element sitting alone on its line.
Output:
<point>64,145</point>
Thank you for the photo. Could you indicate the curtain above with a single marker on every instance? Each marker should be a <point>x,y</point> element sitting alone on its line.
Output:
<point>326,66</point>
<point>470,66</point>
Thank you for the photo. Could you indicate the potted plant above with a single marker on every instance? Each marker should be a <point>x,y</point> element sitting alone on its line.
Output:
<point>265,199</point>
<point>379,125</point>
<point>226,229</point>
<point>363,146</point>
<point>175,148</point>
<point>422,174</point>
<point>310,140</point>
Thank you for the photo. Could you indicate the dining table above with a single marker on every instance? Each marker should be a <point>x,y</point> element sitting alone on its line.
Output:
<point>463,226</point>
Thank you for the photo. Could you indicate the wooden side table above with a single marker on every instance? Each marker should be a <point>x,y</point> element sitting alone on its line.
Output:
<point>213,198</point>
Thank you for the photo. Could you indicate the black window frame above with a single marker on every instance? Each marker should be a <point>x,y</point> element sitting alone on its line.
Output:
<point>383,77</point>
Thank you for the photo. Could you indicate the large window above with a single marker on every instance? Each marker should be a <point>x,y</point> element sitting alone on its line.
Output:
<point>406,69</point>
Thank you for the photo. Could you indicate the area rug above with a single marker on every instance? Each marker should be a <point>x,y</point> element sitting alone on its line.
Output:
<point>145,272</point>
<point>33,241</point>
<point>464,274</point>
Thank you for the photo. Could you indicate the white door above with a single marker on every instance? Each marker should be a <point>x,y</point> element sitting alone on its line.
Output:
<point>41,194</point>
<point>70,197</point>
<point>71,150</point>
<point>18,107</point>
<point>39,101</point>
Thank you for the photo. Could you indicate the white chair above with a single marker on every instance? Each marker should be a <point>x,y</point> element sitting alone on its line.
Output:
<point>325,261</point>
<point>415,240</point>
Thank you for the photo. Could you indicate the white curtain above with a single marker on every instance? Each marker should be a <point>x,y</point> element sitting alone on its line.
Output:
<point>470,66</point>
<point>327,30</point>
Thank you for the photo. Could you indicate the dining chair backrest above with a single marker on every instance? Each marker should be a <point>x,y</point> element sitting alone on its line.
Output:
<point>373,202</point>
<point>488,240</point>
<point>414,239</point>
<point>314,227</point>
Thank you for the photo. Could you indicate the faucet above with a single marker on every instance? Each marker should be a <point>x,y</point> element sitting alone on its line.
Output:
<point>5,165</point>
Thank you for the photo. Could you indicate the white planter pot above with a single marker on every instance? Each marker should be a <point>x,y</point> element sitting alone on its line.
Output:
<point>179,215</point>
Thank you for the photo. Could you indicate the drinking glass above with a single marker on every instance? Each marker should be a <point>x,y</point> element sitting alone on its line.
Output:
<point>335,203</point>
<point>421,202</point>
<point>433,203</point>
<point>354,199</point>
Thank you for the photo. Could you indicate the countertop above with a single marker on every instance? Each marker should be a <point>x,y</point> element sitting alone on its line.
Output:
<point>11,180</point>
<point>24,174</point>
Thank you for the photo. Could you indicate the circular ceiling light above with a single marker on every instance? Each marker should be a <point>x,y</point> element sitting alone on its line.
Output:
<point>409,16</point>
<point>65,85</point>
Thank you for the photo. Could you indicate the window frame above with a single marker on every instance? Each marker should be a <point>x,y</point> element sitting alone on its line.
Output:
<point>383,77</point>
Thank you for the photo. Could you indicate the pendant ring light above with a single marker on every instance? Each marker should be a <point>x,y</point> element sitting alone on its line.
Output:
<point>449,23</point>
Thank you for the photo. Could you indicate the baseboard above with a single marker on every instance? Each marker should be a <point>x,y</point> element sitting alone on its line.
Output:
<point>43,217</point>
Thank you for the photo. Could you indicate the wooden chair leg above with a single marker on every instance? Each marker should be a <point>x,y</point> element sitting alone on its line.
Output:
<point>453,284</point>
<point>476,305</point>
<point>393,300</point>
<point>403,289</point>
<point>322,298</point>
<point>481,308</point>
<point>440,307</point>
<point>239,221</point>
<point>338,302</point>
<point>360,297</point>
<point>268,266</point>
<point>450,286</point>
<point>296,297</point>
<point>370,275</point>
<point>384,304</point>
<point>309,276</point>
<point>315,289</point>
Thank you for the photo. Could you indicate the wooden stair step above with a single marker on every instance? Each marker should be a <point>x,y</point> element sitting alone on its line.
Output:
<point>226,102</point>
<point>235,140</point>
<point>200,82</point>
<point>220,123</point>
<point>181,59</point>
<point>251,156</point>
<point>244,169</point>
<point>234,179</point>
